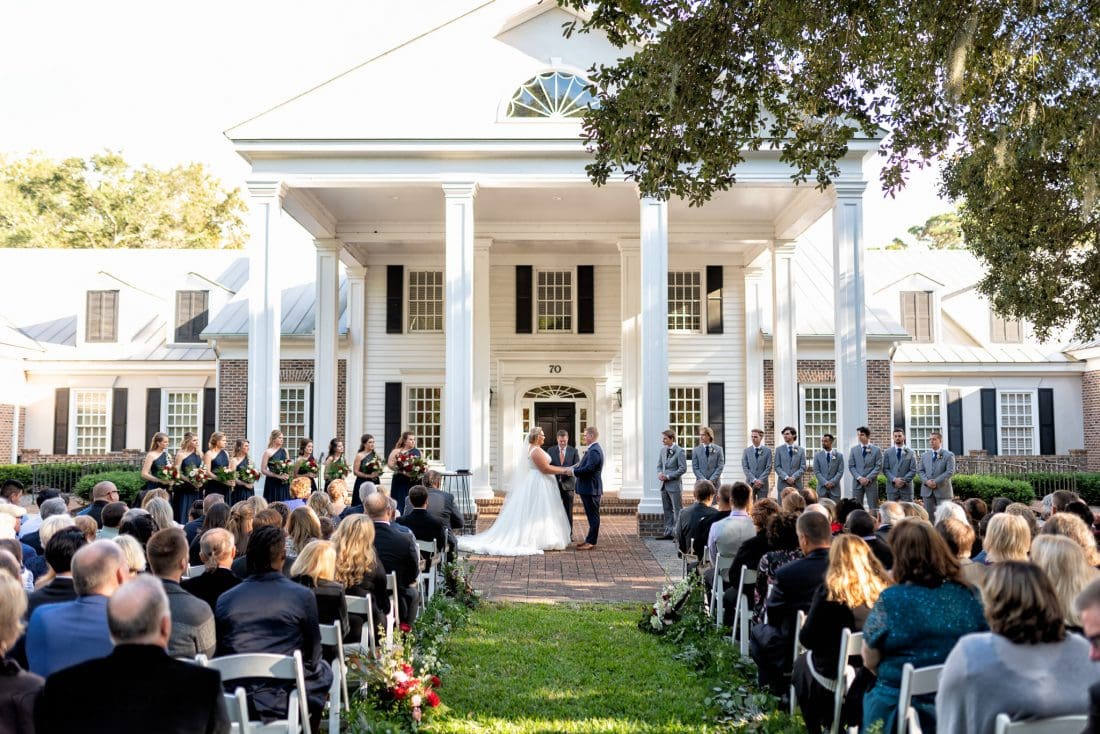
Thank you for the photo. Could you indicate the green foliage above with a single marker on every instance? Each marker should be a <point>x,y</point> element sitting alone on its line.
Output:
<point>985,486</point>
<point>939,232</point>
<point>18,472</point>
<point>128,481</point>
<point>104,202</point>
<point>1003,93</point>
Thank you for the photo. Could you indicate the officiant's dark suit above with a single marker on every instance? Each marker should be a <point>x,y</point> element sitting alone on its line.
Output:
<point>565,456</point>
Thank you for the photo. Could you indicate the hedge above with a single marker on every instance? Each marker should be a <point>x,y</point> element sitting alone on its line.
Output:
<point>986,486</point>
<point>129,483</point>
<point>18,472</point>
<point>61,476</point>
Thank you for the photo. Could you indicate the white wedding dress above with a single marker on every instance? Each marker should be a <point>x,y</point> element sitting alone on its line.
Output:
<point>532,519</point>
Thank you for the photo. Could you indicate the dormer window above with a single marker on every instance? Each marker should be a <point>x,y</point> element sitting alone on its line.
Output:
<point>554,95</point>
<point>102,317</point>
<point>1004,331</point>
<point>916,315</point>
<point>192,315</point>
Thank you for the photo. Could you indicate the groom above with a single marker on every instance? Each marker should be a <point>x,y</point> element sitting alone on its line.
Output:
<point>565,455</point>
<point>590,485</point>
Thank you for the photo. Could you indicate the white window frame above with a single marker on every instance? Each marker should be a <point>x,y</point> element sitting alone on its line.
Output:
<point>73,428</point>
<point>910,431</point>
<point>173,445</point>
<point>701,275</point>
<point>290,442</point>
<point>408,301</point>
<point>1034,393</point>
<point>433,454</point>
<point>686,439</point>
<point>803,433</point>
<point>572,301</point>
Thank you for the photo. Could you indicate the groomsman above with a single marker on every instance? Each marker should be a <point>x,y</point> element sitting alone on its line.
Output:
<point>565,455</point>
<point>829,469</point>
<point>790,461</point>
<point>756,462</point>
<point>671,465</point>
<point>865,463</point>
<point>708,459</point>
<point>936,467</point>
<point>899,464</point>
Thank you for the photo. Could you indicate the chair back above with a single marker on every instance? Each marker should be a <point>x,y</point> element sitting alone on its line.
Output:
<point>1055,725</point>
<point>722,565</point>
<point>915,682</point>
<point>273,667</point>
<point>799,620</point>
<point>391,618</point>
<point>427,546</point>
<point>851,643</point>
<point>193,571</point>
<point>332,635</point>
<point>362,606</point>
<point>236,704</point>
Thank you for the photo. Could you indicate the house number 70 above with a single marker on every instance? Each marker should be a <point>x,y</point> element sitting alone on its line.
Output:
<point>555,369</point>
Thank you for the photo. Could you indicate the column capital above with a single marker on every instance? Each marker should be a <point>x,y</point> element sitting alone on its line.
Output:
<point>355,271</point>
<point>626,246</point>
<point>267,188</point>
<point>329,244</point>
<point>460,189</point>
<point>653,201</point>
<point>482,244</point>
<point>849,189</point>
<point>783,248</point>
<point>753,272</point>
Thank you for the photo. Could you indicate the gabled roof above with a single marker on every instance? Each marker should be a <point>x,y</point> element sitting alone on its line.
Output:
<point>297,308</point>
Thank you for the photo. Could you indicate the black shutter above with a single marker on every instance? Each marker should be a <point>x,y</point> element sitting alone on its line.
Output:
<point>1046,421</point>
<point>392,423</point>
<point>989,420</point>
<point>118,418</point>
<point>395,298</point>
<point>716,411</point>
<point>714,299</point>
<point>523,299</point>
<point>954,422</point>
<point>586,299</point>
<point>61,421</point>
<point>899,408</point>
<point>209,414</point>
<point>152,412</point>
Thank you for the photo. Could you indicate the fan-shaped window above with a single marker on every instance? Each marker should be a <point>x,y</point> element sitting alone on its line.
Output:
<point>552,94</point>
<point>552,392</point>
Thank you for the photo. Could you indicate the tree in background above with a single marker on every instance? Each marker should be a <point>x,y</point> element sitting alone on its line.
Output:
<point>1004,93</point>
<point>103,202</point>
<point>939,232</point>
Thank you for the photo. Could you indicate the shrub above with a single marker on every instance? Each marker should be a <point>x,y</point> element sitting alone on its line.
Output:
<point>18,472</point>
<point>129,483</point>
<point>985,486</point>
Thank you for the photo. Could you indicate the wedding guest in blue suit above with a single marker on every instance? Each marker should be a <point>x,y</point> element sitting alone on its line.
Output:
<point>590,486</point>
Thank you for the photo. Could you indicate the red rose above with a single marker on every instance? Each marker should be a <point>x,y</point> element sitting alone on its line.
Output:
<point>400,692</point>
<point>407,669</point>
<point>405,628</point>
<point>436,683</point>
<point>433,699</point>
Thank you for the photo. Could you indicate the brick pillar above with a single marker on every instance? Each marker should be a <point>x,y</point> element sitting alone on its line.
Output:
<point>1090,408</point>
<point>233,398</point>
<point>879,401</point>
<point>7,432</point>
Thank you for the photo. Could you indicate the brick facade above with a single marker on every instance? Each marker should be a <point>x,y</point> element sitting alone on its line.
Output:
<point>7,432</point>
<point>1090,408</point>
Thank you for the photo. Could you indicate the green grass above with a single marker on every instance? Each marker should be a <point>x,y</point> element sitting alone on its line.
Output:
<point>584,669</point>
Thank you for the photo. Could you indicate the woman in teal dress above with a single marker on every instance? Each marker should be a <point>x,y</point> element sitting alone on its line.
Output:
<point>155,460</point>
<point>400,484</point>
<point>242,489</point>
<point>300,467</point>
<point>365,455</point>
<point>917,621</point>
<point>276,484</point>
<point>186,493</point>
<point>217,458</point>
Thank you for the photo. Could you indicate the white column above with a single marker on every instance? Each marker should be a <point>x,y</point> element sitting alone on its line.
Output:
<point>479,405</point>
<point>630,275</point>
<point>326,318</point>
<point>357,355</point>
<point>654,345</point>
<point>508,426</point>
<point>754,356</point>
<point>264,309</point>
<point>458,385</point>
<point>784,339</point>
<point>850,340</point>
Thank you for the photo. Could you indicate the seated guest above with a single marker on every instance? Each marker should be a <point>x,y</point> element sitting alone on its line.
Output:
<point>315,568</point>
<point>889,515</point>
<point>162,695</point>
<point>958,535</point>
<point>853,582</point>
<point>47,508</point>
<point>87,526</point>
<point>320,503</point>
<point>32,522</point>
<point>398,553</point>
<point>1007,538</point>
<point>899,628</point>
<point>861,525</point>
<point>269,613</point>
<point>783,548</point>
<point>18,688</point>
<point>845,507</point>
<point>60,550</point>
<point>366,489</point>
<point>265,518</point>
<point>57,517</point>
<point>300,490</point>
<point>1064,563</point>
<point>195,515</point>
<point>138,524</point>
<point>133,552</point>
<point>442,507</point>
<point>64,634</point>
<point>975,509</point>
<point>1021,666</point>
<point>241,516</point>
<point>103,493</point>
<point>217,551</point>
<point>112,518</point>
<point>161,512</point>
<point>1023,511</point>
<point>419,520</point>
<point>1073,527</point>
<point>192,620</point>
<point>688,537</point>
<point>809,495</point>
<point>751,552</point>
<point>723,506</point>
<point>15,549</point>
<point>1082,511</point>
<point>358,567</point>
<point>337,491</point>
<point>912,509</point>
<point>216,516</point>
<point>726,536</point>
<point>302,528</point>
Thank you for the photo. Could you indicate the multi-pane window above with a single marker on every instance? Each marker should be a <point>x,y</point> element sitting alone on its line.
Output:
<point>293,415</point>
<point>192,315</point>
<point>92,421</point>
<point>555,300</point>
<point>102,316</point>
<point>916,315</point>
<point>425,419</point>
<point>425,300</point>
<point>818,415</point>
<point>181,415</point>
<point>1004,331</point>
<point>925,415</point>
<point>1017,422</point>
<point>684,304</point>
<point>685,413</point>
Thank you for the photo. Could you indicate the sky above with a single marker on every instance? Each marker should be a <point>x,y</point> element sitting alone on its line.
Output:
<point>161,82</point>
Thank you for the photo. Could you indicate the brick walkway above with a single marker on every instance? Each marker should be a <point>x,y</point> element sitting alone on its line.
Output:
<point>621,568</point>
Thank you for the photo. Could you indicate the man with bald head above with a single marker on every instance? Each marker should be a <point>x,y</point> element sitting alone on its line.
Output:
<point>162,694</point>
<point>399,554</point>
<point>60,635</point>
<point>103,494</point>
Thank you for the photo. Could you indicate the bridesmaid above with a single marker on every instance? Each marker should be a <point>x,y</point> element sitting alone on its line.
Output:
<point>242,489</point>
<point>305,453</point>
<point>365,455</point>
<point>214,459</point>
<point>155,460</point>
<point>400,484</point>
<point>276,486</point>
<point>335,457</point>
<point>187,458</point>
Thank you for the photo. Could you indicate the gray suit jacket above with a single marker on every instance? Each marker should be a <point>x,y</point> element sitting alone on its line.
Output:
<point>904,468</point>
<point>704,467</point>
<point>865,467</point>
<point>757,467</point>
<point>565,483</point>
<point>787,465</point>
<point>938,469</point>
<point>829,467</point>
<point>673,464</point>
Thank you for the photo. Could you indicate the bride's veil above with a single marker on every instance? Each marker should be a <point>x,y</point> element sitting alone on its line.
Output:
<point>522,467</point>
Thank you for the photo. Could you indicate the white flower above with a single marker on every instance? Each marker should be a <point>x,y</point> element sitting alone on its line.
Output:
<point>416,700</point>
<point>400,676</point>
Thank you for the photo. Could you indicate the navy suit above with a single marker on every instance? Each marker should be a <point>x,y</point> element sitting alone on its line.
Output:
<point>590,489</point>
<point>64,634</point>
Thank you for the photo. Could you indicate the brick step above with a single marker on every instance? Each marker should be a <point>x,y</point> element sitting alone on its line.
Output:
<point>610,505</point>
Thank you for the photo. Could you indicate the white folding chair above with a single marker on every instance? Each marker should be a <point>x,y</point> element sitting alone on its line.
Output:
<point>799,620</point>
<point>429,568</point>
<point>741,612</point>
<point>851,643</point>
<point>1056,725</point>
<point>362,606</point>
<point>722,567</point>
<point>687,558</point>
<point>332,635</point>
<point>915,682</point>
<point>193,571</point>
<point>391,618</point>
<point>274,667</point>
<point>236,704</point>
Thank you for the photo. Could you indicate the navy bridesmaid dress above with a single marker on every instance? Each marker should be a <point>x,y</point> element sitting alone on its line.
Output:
<point>240,492</point>
<point>185,494</point>
<point>359,480</point>
<point>158,463</point>
<point>276,490</point>
<point>400,486</point>
<point>221,461</point>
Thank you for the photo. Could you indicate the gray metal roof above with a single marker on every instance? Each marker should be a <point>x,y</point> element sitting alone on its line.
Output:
<point>298,313</point>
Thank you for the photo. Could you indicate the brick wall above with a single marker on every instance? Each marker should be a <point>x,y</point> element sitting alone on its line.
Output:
<point>7,432</point>
<point>1090,404</point>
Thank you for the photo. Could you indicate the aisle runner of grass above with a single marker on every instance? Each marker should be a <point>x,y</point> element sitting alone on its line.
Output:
<point>543,669</point>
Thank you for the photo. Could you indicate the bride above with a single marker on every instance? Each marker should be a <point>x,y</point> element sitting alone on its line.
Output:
<point>532,519</point>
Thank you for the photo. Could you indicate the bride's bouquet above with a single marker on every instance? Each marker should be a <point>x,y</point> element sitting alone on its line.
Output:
<point>411,465</point>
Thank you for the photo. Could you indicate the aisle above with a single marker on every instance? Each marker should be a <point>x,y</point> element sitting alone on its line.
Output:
<point>548,668</point>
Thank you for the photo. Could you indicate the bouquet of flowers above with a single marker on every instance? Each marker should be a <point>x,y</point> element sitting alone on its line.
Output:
<point>247,474</point>
<point>308,467</point>
<point>224,474</point>
<point>169,474</point>
<point>337,469</point>
<point>666,609</point>
<point>392,680</point>
<point>411,465</point>
<point>199,476</point>
<point>278,467</point>
<point>373,467</point>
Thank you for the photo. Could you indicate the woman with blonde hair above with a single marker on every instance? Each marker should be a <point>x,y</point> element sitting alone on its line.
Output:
<point>276,483</point>
<point>155,460</point>
<point>1008,538</point>
<point>135,554</point>
<point>1074,528</point>
<point>853,582</point>
<point>161,512</point>
<point>188,459</point>
<point>300,490</point>
<point>18,689</point>
<point>1065,564</point>
<point>320,503</point>
<point>315,568</point>
<point>302,527</point>
<point>240,525</point>
<point>338,497</point>
<point>358,568</point>
<point>152,495</point>
<point>215,460</point>
<point>243,487</point>
<point>257,503</point>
